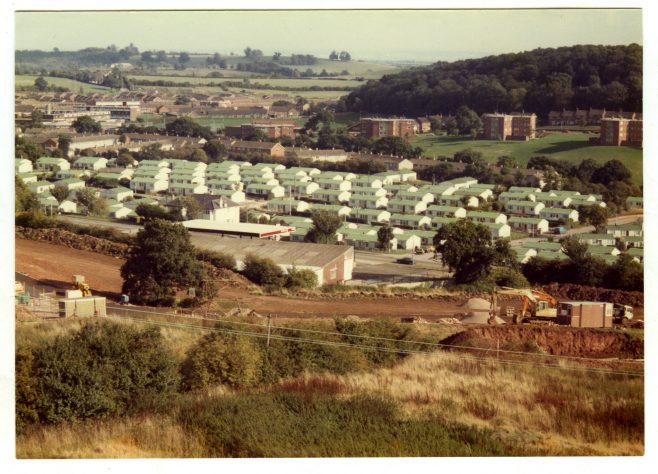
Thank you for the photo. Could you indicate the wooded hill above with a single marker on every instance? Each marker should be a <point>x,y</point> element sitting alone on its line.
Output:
<point>536,81</point>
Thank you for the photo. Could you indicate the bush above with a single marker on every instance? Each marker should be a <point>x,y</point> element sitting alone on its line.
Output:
<point>26,397</point>
<point>509,277</point>
<point>34,220</point>
<point>217,259</point>
<point>103,370</point>
<point>301,279</point>
<point>263,271</point>
<point>218,359</point>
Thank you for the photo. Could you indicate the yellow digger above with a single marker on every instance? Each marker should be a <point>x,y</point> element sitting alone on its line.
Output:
<point>531,305</point>
<point>80,284</point>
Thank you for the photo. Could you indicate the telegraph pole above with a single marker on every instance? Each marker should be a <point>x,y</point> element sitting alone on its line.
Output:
<point>269,327</point>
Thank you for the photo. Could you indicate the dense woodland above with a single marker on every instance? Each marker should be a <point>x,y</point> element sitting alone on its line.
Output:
<point>538,81</point>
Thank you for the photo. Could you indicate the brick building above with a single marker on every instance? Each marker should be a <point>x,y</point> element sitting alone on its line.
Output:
<point>385,127</point>
<point>619,131</point>
<point>272,130</point>
<point>509,127</point>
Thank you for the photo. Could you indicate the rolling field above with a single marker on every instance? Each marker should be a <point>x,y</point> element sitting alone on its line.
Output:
<point>570,147</point>
<point>74,86</point>
<point>280,82</point>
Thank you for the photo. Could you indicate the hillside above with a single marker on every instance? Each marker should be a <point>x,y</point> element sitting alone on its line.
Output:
<point>541,80</point>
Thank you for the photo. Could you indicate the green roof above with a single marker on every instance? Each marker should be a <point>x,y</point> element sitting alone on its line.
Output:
<point>492,215</point>
<point>403,202</point>
<point>408,217</point>
<point>521,203</point>
<point>635,252</point>
<point>557,210</point>
<point>525,220</point>
<point>542,245</point>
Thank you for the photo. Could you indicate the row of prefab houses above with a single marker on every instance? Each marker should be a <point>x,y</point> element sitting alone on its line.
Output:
<point>382,198</point>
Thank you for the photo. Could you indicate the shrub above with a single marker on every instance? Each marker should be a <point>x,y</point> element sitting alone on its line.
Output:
<point>301,279</point>
<point>26,397</point>
<point>217,259</point>
<point>34,220</point>
<point>217,359</point>
<point>263,271</point>
<point>509,277</point>
<point>103,370</point>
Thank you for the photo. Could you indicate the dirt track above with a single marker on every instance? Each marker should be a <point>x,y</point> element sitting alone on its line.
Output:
<point>45,261</point>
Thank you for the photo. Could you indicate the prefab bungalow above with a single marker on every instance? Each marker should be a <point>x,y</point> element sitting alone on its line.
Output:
<point>68,207</point>
<point>298,188</point>
<point>366,182</point>
<point>40,187</point>
<point>369,215</point>
<point>586,201</point>
<point>309,170</point>
<point>48,204</point>
<point>498,230</point>
<point>21,165</point>
<point>331,195</point>
<point>463,182</point>
<point>426,237</point>
<point>405,206</point>
<point>366,201</point>
<point>552,255</point>
<point>438,222</point>
<point>156,163</point>
<point>543,245</point>
<point>531,225</point>
<point>108,179</point>
<point>443,189</point>
<point>266,190</point>
<point>598,250</point>
<point>412,221</point>
<point>119,194</point>
<point>49,164</point>
<point>553,200</point>
<point>365,241</point>
<point>224,185</point>
<point>524,189</point>
<point>137,202</point>
<point>401,187</point>
<point>121,212</point>
<point>523,255</point>
<point>284,206</point>
<point>508,196</point>
<point>328,183</point>
<point>597,239</point>
<point>186,189</point>
<point>636,253</point>
<point>632,241</point>
<point>152,173</point>
<point>341,211</point>
<point>481,194</point>
<point>415,196</point>
<point>28,177</point>
<point>234,195</point>
<point>555,214</point>
<point>389,177</point>
<point>625,230</point>
<point>486,217</point>
<point>148,185</point>
<point>91,163</point>
<point>408,241</point>
<point>372,192</point>
<point>71,183</point>
<point>458,201</point>
<point>185,178</point>
<point>446,211</point>
<point>524,208</point>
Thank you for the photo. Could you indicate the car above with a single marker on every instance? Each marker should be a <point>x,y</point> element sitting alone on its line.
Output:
<point>405,260</point>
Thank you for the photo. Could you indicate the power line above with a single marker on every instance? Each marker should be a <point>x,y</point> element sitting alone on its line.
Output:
<point>376,348</point>
<point>421,343</point>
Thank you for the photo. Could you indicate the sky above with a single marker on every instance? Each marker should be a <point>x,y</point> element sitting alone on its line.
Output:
<point>422,35</point>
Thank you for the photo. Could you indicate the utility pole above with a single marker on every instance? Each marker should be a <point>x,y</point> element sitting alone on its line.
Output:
<point>269,326</point>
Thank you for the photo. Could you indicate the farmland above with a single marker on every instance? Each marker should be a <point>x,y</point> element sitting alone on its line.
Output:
<point>278,82</point>
<point>570,147</point>
<point>75,86</point>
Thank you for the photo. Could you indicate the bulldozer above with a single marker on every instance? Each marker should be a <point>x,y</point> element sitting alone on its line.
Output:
<point>80,284</point>
<point>535,305</point>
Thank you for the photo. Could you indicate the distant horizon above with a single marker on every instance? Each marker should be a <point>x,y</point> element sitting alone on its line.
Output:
<point>410,35</point>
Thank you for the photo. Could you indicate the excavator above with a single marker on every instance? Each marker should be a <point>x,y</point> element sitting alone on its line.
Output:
<point>80,284</point>
<point>535,305</point>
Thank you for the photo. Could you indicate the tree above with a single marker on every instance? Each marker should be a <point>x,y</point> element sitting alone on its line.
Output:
<point>60,192</point>
<point>103,369</point>
<point>186,127</point>
<point>86,124</point>
<point>301,279</point>
<point>215,150</point>
<point>24,199</point>
<point>263,271</point>
<point>162,262</point>
<point>384,237</point>
<point>465,248</point>
<point>183,58</point>
<point>276,56</point>
<point>325,225</point>
<point>345,56</point>
<point>37,117</point>
<point>64,144</point>
<point>125,159</point>
<point>151,211</point>
<point>574,248</point>
<point>86,197</point>
<point>147,56</point>
<point>468,122</point>
<point>333,56</point>
<point>395,146</point>
<point>613,170</point>
<point>226,359</point>
<point>593,215</point>
<point>504,255</point>
<point>507,162</point>
<point>40,83</point>
<point>161,56</point>
<point>198,155</point>
<point>625,274</point>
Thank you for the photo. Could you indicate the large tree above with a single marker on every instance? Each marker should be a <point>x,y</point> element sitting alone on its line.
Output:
<point>325,225</point>
<point>465,248</point>
<point>86,124</point>
<point>384,237</point>
<point>162,262</point>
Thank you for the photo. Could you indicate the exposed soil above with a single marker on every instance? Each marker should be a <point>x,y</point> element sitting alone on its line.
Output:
<point>553,340</point>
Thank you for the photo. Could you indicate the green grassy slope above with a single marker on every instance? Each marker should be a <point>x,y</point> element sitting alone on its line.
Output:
<point>74,86</point>
<point>570,147</point>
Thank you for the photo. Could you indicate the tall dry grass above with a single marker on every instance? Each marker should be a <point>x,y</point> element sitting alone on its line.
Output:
<point>135,437</point>
<point>555,412</point>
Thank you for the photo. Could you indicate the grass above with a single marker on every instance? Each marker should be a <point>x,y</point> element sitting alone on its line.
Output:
<point>279,82</point>
<point>74,86</point>
<point>570,147</point>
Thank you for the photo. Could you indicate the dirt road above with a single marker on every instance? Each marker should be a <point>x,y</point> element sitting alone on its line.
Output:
<point>45,261</point>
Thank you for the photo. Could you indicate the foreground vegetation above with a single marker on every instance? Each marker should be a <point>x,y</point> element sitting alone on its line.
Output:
<point>248,399</point>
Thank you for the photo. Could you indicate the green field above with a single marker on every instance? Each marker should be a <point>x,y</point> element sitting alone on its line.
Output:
<point>281,82</point>
<point>570,147</point>
<point>212,122</point>
<point>74,86</point>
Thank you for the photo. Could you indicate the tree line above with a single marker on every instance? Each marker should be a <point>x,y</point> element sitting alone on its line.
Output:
<point>538,81</point>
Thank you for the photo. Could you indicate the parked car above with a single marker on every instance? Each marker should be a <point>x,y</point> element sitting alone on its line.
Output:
<point>405,260</point>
